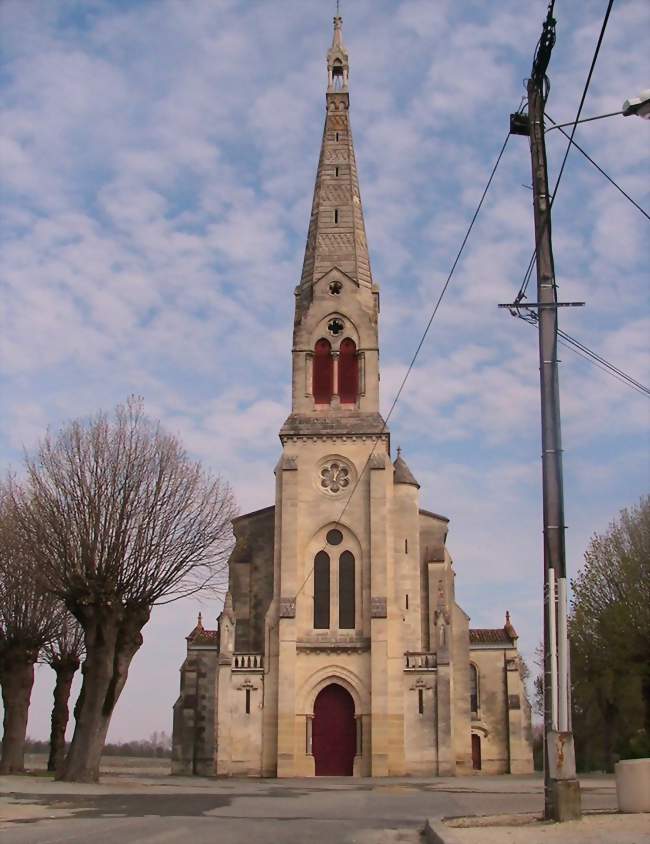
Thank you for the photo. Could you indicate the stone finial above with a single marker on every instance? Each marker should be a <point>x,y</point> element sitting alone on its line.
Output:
<point>508,627</point>
<point>338,67</point>
<point>199,622</point>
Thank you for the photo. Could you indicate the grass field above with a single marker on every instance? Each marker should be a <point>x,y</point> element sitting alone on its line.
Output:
<point>37,763</point>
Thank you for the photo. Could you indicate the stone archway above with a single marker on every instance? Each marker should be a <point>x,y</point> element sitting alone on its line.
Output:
<point>334,732</point>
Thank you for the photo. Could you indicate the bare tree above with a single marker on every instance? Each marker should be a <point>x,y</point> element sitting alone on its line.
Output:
<point>63,654</point>
<point>120,519</point>
<point>28,618</point>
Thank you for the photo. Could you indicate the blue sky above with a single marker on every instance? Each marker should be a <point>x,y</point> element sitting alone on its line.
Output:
<point>158,160</point>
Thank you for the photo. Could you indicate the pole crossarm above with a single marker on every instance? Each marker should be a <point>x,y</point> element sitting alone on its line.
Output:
<point>517,305</point>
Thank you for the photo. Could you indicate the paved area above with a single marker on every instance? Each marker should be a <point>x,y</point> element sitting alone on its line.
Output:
<point>162,810</point>
<point>522,829</point>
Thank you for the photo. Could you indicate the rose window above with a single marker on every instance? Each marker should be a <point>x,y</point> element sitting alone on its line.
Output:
<point>334,477</point>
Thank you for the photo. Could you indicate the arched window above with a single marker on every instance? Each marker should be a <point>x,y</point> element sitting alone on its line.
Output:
<point>473,689</point>
<point>322,591</point>
<point>346,591</point>
<point>323,380</point>
<point>348,372</point>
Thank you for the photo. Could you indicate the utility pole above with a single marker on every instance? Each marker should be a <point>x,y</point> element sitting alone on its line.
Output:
<point>561,788</point>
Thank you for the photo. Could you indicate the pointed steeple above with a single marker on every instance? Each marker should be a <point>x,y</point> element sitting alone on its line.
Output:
<point>337,235</point>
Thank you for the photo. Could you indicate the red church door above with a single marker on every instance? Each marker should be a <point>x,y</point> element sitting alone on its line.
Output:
<point>476,752</point>
<point>334,732</point>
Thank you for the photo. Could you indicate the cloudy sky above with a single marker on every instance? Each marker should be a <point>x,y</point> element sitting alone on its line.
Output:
<point>158,159</point>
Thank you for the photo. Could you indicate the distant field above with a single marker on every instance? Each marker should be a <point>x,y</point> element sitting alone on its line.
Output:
<point>111,764</point>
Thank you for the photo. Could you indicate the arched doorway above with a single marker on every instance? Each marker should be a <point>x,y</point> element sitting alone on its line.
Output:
<point>334,732</point>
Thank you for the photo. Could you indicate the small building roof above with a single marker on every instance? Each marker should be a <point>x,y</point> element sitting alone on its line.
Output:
<point>488,636</point>
<point>201,636</point>
<point>403,474</point>
<point>506,635</point>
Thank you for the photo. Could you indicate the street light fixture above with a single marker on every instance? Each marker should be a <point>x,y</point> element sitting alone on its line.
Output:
<point>638,105</point>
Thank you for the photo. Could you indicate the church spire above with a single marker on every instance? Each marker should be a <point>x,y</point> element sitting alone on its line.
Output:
<point>338,67</point>
<point>336,236</point>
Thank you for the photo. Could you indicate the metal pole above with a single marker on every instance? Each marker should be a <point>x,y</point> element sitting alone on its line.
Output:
<point>560,762</point>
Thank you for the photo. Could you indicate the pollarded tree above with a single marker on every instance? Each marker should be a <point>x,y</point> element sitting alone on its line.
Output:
<point>28,620</point>
<point>63,654</point>
<point>120,519</point>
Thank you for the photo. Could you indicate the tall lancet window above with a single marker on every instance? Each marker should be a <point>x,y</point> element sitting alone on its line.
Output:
<point>346,591</point>
<point>348,372</point>
<point>323,380</point>
<point>473,688</point>
<point>322,591</point>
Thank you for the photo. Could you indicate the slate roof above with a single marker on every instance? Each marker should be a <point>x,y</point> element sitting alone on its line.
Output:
<point>403,474</point>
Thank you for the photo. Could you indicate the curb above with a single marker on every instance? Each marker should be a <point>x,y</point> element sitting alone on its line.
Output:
<point>436,832</point>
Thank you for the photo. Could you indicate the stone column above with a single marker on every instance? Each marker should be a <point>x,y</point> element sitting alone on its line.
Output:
<point>288,582</point>
<point>379,617</point>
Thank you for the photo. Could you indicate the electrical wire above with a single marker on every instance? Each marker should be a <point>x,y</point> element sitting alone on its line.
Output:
<point>593,357</point>
<point>600,170</point>
<point>524,285</point>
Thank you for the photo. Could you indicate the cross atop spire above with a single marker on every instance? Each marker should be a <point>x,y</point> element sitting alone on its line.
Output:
<point>338,67</point>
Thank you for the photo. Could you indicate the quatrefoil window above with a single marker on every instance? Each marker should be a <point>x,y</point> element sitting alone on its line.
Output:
<point>335,327</point>
<point>335,288</point>
<point>334,477</point>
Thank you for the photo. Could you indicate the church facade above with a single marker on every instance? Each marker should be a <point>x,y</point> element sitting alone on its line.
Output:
<point>341,649</point>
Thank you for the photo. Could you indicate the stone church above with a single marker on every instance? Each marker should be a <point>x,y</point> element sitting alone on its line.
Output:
<point>341,649</point>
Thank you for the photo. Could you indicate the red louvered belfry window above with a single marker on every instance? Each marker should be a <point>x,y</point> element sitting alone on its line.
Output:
<point>323,377</point>
<point>348,372</point>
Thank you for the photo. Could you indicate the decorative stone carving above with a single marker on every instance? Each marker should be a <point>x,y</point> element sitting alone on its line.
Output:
<point>378,608</point>
<point>334,477</point>
<point>287,607</point>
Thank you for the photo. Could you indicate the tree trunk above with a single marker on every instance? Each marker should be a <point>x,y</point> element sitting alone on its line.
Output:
<point>65,670</point>
<point>17,679</point>
<point>112,639</point>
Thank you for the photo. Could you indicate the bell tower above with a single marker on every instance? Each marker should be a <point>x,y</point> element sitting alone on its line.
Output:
<point>335,340</point>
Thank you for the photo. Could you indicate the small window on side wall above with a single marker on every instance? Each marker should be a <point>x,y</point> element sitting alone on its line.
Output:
<point>473,689</point>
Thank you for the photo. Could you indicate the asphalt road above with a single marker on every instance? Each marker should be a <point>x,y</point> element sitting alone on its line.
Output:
<point>164,810</point>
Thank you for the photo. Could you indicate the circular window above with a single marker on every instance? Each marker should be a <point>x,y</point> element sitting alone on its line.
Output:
<point>334,537</point>
<point>334,477</point>
<point>335,288</point>
<point>335,327</point>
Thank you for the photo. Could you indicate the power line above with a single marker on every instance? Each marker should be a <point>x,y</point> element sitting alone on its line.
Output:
<point>524,284</point>
<point>600,169</point>
<point>593,357</point>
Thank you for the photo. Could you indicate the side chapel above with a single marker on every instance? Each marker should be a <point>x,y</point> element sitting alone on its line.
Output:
<point>341,649</point>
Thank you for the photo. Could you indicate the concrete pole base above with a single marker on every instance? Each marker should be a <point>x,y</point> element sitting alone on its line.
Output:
<point>565,800</point>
